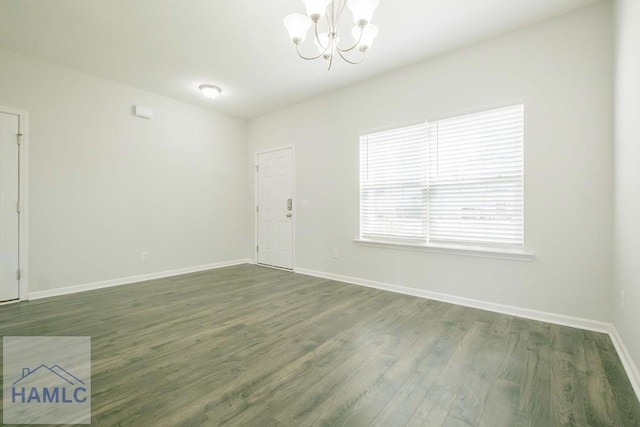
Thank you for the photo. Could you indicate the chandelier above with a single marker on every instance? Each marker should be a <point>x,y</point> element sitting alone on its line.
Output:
<point>328,42</point>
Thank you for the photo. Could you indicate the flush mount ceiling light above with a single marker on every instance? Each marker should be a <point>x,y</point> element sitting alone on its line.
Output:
<point>327,41</point>
<point>210,91</point>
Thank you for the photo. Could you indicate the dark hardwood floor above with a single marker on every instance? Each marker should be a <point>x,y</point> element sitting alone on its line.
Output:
<point>251,346</point>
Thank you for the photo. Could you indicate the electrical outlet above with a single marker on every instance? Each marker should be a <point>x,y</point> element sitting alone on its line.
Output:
<point>622,298</point>
<point>336,253</point>
<point>144,256</point>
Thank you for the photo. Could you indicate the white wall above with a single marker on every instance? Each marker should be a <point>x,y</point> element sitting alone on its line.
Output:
<point>105,185</point>
<point>561,69</point>
<point>627,175</point>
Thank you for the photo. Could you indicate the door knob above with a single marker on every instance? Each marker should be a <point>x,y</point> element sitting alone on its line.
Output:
<point>288,215</point>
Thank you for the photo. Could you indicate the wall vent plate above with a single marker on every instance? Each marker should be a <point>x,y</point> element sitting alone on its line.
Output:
<point>145,113</point>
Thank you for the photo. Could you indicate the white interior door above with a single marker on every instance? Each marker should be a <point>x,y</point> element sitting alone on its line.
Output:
<point>275,208</point>
<point>9,196</point>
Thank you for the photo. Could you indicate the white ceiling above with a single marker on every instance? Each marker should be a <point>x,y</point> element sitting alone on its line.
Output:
<point>171,46</point>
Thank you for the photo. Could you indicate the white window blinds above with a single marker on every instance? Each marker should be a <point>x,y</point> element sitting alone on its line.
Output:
<point>393,184</point>
<point>476,179</point>
<point>455,181</point>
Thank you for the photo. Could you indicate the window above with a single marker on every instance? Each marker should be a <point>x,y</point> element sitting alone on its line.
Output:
<point>457,181</point>
<point>393,184</point>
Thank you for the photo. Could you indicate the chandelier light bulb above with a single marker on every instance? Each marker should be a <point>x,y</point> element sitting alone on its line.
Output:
<point>362,10</point>
<point>369,33</point>
<point>316,8</point>
<point>298,26</point>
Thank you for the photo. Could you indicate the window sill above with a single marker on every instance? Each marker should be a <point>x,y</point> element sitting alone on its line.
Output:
<point>516,255</point>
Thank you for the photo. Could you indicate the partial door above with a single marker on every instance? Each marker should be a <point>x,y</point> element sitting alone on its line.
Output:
<point>9,197</point>
<point>275,208</point>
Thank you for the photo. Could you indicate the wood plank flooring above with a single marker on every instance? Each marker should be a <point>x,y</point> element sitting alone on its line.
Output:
<point>251,346</point>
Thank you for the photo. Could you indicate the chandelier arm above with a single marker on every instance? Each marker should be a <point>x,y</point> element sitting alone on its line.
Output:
<point>315,27</point>
<point>333,14</point>
<point>350,61</point>
<point>311,58</point>
<point>308,58</point>
<point>330,57</point>
<point>341,6</point>
<point>329,25</point>
<point>355,45</point>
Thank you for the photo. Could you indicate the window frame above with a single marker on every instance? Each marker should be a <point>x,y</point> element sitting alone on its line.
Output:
<point>498,251</point>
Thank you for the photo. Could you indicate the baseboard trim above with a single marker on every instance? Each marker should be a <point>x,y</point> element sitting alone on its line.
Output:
<point>625,357</point>
<point>558,319</point>
<point>133,279</point>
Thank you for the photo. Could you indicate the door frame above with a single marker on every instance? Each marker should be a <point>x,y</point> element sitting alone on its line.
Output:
<point>23,193</point>
<point>293,195</point>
